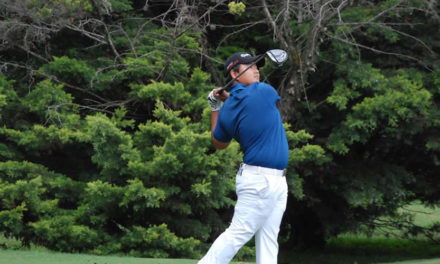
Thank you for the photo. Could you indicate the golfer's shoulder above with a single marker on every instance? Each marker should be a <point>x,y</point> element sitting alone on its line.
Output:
<point>263,85</point>
<point>267,89</point>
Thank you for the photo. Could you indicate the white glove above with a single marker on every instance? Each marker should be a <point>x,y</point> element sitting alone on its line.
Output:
<point>214,102</point>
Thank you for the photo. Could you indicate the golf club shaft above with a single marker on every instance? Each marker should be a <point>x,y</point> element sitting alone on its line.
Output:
<point>241,73</point>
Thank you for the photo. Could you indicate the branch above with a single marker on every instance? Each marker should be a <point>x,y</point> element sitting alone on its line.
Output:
<point>91,35</point>
<point>176,33</point>
<point>4,66</point>
<point>33,53</point>
<point>380,51</point>
<point>237,31</point>
<point>272,23</point>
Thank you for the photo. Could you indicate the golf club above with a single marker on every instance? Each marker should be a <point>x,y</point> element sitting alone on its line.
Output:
<point>277,56</point>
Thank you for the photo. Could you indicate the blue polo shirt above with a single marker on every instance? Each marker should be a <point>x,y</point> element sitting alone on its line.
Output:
<point>251,117</point>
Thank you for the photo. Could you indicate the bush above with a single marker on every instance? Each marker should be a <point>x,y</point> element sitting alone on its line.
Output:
<point>157,242</point>
<point>61,233</point>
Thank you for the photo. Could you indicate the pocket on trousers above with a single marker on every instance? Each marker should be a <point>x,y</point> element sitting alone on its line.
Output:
<point>264,190</point>
<point>252,183</point>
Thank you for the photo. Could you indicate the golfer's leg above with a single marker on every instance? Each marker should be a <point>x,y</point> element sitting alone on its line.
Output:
<point>266,238</point>
<point>226,246</point>
<point>248,217</point>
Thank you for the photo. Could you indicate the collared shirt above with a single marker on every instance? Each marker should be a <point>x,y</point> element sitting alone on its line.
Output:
<point>251,117</point>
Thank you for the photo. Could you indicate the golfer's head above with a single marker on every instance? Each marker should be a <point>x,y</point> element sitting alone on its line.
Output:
<point>238,63</point>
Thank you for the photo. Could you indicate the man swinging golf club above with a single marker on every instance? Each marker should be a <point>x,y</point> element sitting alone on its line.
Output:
<point>250,116</point>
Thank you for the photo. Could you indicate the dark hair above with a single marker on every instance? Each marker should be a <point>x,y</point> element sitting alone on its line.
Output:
<point>229,78</point>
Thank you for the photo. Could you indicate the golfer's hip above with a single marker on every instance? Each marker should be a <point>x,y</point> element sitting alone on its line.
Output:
<point>261,170</point>
<point>260,182</point>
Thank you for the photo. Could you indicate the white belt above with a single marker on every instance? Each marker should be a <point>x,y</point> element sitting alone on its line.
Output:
<point>263,170</point>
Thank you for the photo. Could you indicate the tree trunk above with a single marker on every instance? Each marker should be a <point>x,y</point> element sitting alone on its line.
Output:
<point>307,231</point>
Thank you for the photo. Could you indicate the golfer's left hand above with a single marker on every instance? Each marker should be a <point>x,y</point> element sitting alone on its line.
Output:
<point>214,102</point>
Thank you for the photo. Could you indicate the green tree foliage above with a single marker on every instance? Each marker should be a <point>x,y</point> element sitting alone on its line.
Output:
<point>105,130</point>
<point>236,8</point>
<point>374,117</point>
<point>77,174</point>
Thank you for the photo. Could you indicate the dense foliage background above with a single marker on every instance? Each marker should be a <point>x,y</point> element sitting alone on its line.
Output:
<point>105,142</point>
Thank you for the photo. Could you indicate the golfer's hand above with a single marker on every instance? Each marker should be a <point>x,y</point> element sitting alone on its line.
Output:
<point>214,102</point>
<point>221,94</point>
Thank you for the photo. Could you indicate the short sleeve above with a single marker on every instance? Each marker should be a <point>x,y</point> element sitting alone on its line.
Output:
<point>270,92</point>
<point>220,132</point>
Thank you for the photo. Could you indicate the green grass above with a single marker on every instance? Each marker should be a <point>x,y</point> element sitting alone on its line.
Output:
<point>351,249</point>
<point>334,258</point>
<point>46,257</point>
<point>418,261</point>
<point>378,248</point>
<point>344,249</point>
<point>423,216</point>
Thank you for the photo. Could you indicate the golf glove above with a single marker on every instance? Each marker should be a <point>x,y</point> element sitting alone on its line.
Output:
<point>214,102</point>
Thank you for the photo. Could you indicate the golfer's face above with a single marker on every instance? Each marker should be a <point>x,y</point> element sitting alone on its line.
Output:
<point>250,76</point>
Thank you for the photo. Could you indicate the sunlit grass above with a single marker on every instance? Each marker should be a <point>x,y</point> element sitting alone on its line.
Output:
<point>344,249</point>
<point>423,216</point>
<point>47,257</point>
<point>378,246</point>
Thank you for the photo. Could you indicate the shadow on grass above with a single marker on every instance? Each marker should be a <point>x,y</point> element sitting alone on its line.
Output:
<point>355,250</point>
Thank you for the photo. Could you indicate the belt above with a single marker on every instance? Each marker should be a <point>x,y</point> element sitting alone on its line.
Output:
<point>263,170</point>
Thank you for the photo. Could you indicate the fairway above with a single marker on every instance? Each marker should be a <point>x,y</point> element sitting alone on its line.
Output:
<point>419,261</point>
<point>45,257</point>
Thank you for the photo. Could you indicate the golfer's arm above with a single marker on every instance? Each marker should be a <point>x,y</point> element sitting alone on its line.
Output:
<point>217,144</point>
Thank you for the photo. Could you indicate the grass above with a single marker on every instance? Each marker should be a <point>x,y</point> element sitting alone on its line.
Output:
<point>423,216</point>
<point>326,257</point>
<point>344,249</point>
<point>46,257</point>
<point>378,248</point>
<point>431,261</point>
<point>355,249</point>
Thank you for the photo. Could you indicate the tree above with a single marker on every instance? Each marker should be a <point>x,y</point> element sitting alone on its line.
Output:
<point>110,136</point>
<point>378,106</point>
<point>105,127</point>
<point>359,73</point>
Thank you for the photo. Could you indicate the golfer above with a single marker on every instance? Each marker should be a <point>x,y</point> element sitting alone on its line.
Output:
<point>250,116</point>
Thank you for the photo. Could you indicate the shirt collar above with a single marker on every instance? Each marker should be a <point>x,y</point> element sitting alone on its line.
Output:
<point>236,87</point>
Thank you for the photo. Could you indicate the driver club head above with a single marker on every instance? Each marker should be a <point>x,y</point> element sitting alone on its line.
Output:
<point>278,56</point>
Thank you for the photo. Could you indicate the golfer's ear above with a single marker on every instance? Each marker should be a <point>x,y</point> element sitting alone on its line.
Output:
<point>233,73</point>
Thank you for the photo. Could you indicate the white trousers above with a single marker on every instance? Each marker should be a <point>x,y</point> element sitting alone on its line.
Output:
<point>261,202</point>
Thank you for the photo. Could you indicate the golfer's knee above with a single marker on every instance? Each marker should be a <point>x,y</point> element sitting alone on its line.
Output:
<point>240,234</point>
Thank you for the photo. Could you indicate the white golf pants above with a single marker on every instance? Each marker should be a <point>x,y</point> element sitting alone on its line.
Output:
<point>261,202</point>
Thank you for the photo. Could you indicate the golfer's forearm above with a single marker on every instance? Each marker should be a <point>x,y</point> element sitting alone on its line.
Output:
<point>217,144</point>
<point>214,118</point>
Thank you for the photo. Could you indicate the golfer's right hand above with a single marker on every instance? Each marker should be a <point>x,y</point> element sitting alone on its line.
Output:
<point>221,94</point>
<point>214,102</point>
